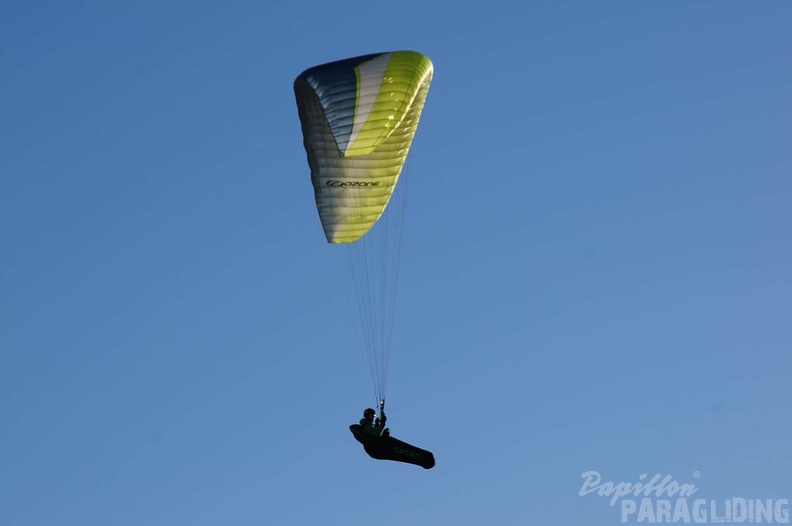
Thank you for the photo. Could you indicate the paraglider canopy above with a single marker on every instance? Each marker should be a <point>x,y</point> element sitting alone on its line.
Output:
<point>359,117</point>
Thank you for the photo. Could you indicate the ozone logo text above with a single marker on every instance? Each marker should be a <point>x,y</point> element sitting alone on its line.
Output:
<point>407,452</point>
<point>364,184</point>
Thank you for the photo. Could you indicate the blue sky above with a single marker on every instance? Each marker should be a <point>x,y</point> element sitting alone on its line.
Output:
<point>595,272</point>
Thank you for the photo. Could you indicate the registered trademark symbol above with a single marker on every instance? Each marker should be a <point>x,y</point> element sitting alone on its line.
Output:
<point>696,474</point>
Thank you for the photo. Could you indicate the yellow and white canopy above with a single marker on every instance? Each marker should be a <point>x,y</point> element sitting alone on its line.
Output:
<point>359,117</point>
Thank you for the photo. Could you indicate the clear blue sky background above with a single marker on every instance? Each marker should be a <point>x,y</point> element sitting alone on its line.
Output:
<point>595,275</point>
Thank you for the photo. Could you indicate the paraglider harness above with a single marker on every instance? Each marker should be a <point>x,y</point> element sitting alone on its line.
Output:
<point>385,447</point>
